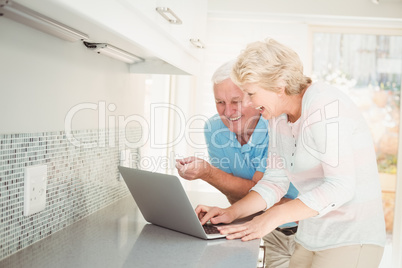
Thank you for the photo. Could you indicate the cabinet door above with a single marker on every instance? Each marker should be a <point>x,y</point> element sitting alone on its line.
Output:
<point>197,30</point>
<point>144,8</point>
<point>193,14</point>
<point>135,26</point>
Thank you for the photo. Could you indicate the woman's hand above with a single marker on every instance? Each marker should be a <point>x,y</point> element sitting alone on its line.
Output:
<point>214,214</point>
<point>254,229</point>
<point>265,223</point>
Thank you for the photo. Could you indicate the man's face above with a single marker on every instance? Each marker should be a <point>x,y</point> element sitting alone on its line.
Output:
<point>229,104</point>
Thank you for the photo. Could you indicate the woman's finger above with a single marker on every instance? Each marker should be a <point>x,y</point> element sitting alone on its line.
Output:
<point>243,231</point>
<point>232,229</point>
<point>237,235</point>
<point>250,236</point>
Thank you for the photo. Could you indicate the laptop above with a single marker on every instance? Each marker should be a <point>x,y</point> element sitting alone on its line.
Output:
<point>163,202</point>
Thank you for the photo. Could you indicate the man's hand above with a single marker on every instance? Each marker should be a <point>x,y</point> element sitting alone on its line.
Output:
<point>192,168</point>
<point>214,214</point>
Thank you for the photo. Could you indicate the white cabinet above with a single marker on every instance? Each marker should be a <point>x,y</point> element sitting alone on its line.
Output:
<point>136,26</point>
<point>191,13</point>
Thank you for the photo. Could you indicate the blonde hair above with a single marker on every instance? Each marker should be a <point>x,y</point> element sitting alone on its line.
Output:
<point>270,65</point>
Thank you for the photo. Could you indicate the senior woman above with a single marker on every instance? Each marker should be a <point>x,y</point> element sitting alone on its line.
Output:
<point>321,143</point>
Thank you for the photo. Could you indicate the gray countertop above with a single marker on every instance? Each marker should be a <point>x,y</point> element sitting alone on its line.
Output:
<point>118,236</point>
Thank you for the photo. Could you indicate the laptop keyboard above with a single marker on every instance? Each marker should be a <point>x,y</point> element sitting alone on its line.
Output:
<point>210,229</point>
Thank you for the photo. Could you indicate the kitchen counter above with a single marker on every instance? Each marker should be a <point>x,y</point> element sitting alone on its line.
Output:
<point>118,236</point>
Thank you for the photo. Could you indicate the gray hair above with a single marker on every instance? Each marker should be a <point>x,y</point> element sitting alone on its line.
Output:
<point>223,72</point>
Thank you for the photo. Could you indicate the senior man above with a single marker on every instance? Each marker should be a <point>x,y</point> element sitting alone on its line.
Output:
<point>237,140</point>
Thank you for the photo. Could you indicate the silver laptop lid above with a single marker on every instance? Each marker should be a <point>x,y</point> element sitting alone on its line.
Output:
<point>163,201</point>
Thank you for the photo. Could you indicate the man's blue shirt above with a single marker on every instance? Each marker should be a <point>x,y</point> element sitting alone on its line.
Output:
<point>227,154</point>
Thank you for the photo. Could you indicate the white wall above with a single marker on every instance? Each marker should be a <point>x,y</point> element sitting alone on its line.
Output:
<point>43,77</point>
<point>354,8</point>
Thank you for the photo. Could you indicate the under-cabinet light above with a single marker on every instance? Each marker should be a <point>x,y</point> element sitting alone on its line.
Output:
<point>113,52</point>
<point>29,17</point>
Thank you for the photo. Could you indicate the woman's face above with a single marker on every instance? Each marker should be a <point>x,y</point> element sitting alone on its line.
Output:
<point>264,100</point>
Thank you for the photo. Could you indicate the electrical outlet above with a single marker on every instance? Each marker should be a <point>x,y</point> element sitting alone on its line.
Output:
<point>35,189</point>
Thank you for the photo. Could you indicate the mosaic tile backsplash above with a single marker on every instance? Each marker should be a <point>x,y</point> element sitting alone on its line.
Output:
<point>81,179</point>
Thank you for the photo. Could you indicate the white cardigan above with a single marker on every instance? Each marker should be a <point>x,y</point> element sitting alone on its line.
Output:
<point>328,154</point>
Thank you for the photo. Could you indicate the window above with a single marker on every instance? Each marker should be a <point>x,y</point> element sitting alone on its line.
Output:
<point>367,66</point>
